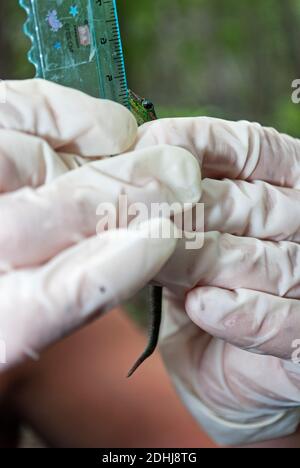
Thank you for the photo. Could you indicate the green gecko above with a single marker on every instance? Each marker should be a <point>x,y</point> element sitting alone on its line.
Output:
<point>144,111</point>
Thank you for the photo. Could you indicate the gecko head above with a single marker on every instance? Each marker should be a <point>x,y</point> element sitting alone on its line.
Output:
<point>147,105</point>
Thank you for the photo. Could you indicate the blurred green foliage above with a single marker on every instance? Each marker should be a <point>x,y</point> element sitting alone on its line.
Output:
<point>224,58</point>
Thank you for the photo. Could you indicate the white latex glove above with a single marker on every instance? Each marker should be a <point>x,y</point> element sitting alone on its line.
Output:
<point>55,273</point>
<point>230,355</point>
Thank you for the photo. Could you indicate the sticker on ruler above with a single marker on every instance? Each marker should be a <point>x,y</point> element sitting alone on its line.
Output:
<point>77,43</point>
<point>53,21</point>
<point>84,35</point>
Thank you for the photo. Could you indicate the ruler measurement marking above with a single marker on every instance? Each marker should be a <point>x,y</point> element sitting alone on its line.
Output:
<point>114,75</point>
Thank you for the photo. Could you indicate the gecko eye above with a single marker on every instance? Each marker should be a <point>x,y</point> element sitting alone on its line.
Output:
<point>148,105</point>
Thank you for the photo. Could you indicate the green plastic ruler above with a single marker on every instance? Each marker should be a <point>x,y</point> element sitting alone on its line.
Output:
<point>77,43</point>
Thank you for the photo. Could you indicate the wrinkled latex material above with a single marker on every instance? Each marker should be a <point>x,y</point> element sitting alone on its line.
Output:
<point>55,272</point>
<point>232,310</point>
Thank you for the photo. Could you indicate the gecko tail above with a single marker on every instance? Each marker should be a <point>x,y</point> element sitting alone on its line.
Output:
<point>155,295</point>
<point>139,362</point>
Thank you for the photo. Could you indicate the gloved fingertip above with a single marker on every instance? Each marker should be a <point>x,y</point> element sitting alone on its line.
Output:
<point>124,126</point>
<point>160,231</point>
<point>210,307</point>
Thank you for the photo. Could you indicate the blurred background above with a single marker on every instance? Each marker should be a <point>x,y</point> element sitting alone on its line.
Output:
<point>221,58</point>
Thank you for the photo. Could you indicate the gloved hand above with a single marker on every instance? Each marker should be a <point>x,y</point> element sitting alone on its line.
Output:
<point>232,310</point>
<point>55,272</point>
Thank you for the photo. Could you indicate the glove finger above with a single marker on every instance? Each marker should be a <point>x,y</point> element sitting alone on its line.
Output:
<point>27,160</point>
<point>251,320</point>
<point>36,225</point>
<point>231,262</point>
<point>233,150</point>
<point>38,306</point>
<point>234,394</point>
<point>175,320</point>
<point>253,209</point>
<point>69,120</point>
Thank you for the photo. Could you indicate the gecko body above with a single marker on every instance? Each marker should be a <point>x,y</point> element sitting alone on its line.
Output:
<point>144,111</point>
